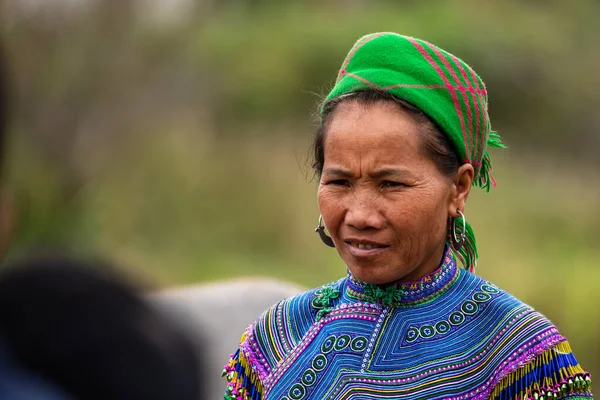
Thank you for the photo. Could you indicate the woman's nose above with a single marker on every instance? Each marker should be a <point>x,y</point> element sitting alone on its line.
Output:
<point>363,213</point>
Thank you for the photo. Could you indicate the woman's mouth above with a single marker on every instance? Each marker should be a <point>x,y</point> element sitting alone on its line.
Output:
<point>365,249</point>
<point>363,246</point>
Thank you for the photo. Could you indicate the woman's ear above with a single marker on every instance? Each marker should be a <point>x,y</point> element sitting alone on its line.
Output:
<point>461,187</point>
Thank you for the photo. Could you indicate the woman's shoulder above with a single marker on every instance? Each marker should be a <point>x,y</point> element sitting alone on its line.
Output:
<point>501,309</point>
<point>274,335</point>
<point>524,345</point>
<point>282,326</point>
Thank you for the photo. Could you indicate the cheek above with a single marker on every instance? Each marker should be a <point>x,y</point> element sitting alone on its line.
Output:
<point>330,206</point>
<point>436,215</point>
<point>422,215</point>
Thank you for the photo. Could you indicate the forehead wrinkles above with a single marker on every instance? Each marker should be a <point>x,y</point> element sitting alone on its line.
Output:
<point>376,133</point>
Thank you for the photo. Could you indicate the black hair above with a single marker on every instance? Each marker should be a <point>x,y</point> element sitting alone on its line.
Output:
<point>92,334</point>
<point>435,144</point>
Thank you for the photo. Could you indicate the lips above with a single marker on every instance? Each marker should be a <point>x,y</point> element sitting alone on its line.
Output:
<point>364,243</point>
<point>364,248</point>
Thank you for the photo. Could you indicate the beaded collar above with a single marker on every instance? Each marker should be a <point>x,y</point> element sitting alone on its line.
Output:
<point>406,294</point>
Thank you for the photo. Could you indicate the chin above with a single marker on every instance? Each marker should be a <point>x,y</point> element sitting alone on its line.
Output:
<point>371,275</point>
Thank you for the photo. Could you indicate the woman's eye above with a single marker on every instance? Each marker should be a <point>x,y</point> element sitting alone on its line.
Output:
<point>392,184</point>
<point>339,182</point>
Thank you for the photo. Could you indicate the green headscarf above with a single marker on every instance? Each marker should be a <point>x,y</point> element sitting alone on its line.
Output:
<point>441,85</point>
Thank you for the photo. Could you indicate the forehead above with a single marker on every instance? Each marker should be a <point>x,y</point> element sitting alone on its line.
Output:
<point>378,133</point>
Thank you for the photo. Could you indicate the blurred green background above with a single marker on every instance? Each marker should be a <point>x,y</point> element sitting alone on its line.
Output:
<point>174,140</point>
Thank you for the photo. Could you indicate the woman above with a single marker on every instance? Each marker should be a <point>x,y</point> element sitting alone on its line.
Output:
<point>403,138</point>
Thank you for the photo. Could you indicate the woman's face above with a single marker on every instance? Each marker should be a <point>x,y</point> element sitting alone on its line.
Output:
<point>383,201</point>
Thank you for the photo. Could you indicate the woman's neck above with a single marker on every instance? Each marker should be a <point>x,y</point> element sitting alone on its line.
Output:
<point>405,292</point>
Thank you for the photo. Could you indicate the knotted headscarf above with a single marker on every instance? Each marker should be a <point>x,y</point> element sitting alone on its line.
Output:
<point>442,86</point>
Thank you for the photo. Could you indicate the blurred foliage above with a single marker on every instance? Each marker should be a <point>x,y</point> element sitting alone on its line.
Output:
<point>179,147</point>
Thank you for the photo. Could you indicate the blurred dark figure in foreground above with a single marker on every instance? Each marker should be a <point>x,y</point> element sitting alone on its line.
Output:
<point>72,330</point>
<point>79,327</point>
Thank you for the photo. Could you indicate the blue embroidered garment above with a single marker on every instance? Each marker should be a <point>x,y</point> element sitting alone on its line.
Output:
<point>451,335</point>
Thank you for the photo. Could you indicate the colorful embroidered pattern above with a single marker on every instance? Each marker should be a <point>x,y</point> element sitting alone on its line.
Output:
<point>243,381</point>
<point>463,313</point>
<point>410,294</point>
<point>323,300</point>
<point>472,341</point>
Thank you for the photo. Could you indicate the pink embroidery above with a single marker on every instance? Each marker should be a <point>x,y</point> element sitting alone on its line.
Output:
<point>449,86</point>
<point>475,102</point>
<point>462,90</point>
